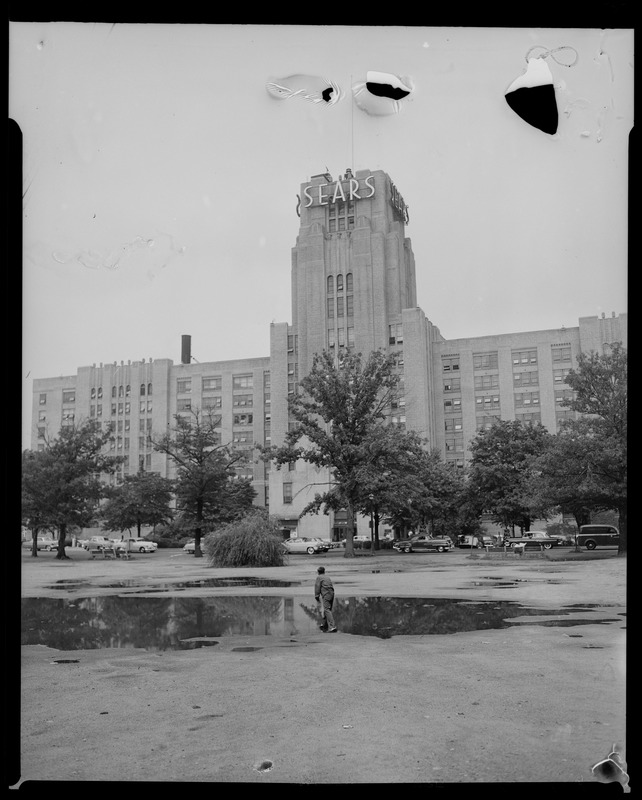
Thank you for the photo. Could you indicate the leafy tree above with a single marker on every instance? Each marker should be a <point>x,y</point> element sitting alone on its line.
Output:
<point>253,541</point>
<point>501,470</point>
<point>141,499</point>
<point>338,413</point>
<point>585,467</point>
<point>208,491</point>
<point>61,485</point>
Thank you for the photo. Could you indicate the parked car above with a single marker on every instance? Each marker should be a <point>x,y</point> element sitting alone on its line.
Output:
<point>423,541</point>
<point>42,543</point>
<point>533,539</point>
<point>96,543</point>
<point>325,546</point>
<point>592,536</point>
<point>132,544</point>
<point>467,540</point>
<point>190,546</point>
<point>303,544</point>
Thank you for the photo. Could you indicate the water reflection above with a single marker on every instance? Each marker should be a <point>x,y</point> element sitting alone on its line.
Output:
<point>178,623</point>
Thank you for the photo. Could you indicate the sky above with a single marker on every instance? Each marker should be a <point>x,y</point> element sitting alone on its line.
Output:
<point>160,178</point>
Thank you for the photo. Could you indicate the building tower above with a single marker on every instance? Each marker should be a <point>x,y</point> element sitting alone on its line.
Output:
<point>353,277</point>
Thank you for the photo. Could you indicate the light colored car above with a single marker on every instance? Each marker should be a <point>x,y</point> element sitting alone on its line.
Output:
<point>190,546</point>
<point>42,543</point>
<point>134,545</point>
<point>533,539</point>
<point>423,541</point>
<point>97,543</point>
<point>303,544</point>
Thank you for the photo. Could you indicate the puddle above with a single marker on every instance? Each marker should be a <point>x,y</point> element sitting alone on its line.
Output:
<point>181,623</point>
<point>206,583</point>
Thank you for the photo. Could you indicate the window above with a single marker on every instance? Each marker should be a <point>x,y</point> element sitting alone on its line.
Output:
<point>243,437</point>
<point>561,354</point>
<point>128,390</point>
<point>341,216</point>
<point>126,442</point>
<point>142,389</point>
<point>42,400</point>
<point>349,282</point>
<point>100,392</point>
<point>350,305</point>
<point>529,419</point>
<point>266,375</point>
<point>184,385</point>
<point>243,400</point>
<point>339,283</point>
<point>486,381</point>
<point>452,406</point>
<point>119,425</point>
<point>183,405</point>
<point>149,388</point>
<point>148,461</point>
<point>121,391</point>
<point>563,396</point>
<point>395,334</point>
<point>450,364</point>
<point>149,405</point>
<point>485,423</point>
<point>287,492</point>
<point>350,336</point>
<point>41,432</point>
<point>93,393</point>
<point>113,391</point>
<point>530,378</point>
<point>330,284</point>
<point>113,408</point>
<point>483,403</point>
<point>69,396</point>
<point>120,408</point>
<point>42,416</point>
<point>128,408</point>
<point>330,308</point>
<point>242,382</point>
<point>526,399</point>
<point>210,403</point>
<point>523,357</point>
<point>452,385</point>
<point>243,419</point>
<point>341,337</point>
<point>331,341</point>
<point>99,410</point>
<point>339,306</point>
<point>454,444</point>
<point>293,342</point>
<point>143,406</point>
<point>454,424</point>
<point>212,384</point>
<point>559,375</point>
<point>485,361</point>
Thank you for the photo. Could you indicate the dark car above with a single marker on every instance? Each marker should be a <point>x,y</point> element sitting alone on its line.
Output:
<point>423,541</point>
<point>592,536</point>
<point>533,539</point>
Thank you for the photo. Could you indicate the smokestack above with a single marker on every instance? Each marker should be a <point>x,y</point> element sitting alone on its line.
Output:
<point>186,349</point>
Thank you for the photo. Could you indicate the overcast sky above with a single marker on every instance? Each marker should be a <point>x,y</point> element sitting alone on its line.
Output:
<point>161,179</point>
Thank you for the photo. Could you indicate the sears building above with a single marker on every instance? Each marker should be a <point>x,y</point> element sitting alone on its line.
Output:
<point>353,289</point>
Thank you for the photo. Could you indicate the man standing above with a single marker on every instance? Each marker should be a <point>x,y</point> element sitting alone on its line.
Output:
<point>324,593</point>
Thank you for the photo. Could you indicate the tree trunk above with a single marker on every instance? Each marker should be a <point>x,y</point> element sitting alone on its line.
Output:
<point>62,538</point>
<point>198,553</point>
<point>622,527</point>
<point>376,529</point>
<point>349,551</point>
<point>34,542</point>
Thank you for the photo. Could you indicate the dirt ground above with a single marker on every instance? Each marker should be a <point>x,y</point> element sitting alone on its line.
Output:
<point>525,704</point>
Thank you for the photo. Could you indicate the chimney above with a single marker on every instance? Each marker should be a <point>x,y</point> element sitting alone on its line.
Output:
<point>186,349</point>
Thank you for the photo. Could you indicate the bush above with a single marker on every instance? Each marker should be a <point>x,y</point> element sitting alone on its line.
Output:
<point>253,541</point>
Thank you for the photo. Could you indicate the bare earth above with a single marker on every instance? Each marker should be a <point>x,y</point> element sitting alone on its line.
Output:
<point>529,703</point>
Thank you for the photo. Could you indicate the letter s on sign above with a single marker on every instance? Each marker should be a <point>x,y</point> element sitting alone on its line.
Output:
<point>370,185</point>
<point>308,197</point>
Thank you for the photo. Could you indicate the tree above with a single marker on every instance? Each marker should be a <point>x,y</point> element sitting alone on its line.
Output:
<point>338,412</point>
<point>208,491</point>
<point>594,448</point>
<point>501,470</point>
<point>141,499</point>
<point>61,485</point>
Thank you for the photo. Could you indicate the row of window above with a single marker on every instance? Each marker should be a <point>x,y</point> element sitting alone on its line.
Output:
<point>520,358</point>
<point>330,283</point>
<point>343,337</point>
<point>342,309</point>
<point>184,385</point>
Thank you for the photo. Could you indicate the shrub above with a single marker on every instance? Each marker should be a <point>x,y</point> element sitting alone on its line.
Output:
<point>253,541</point>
